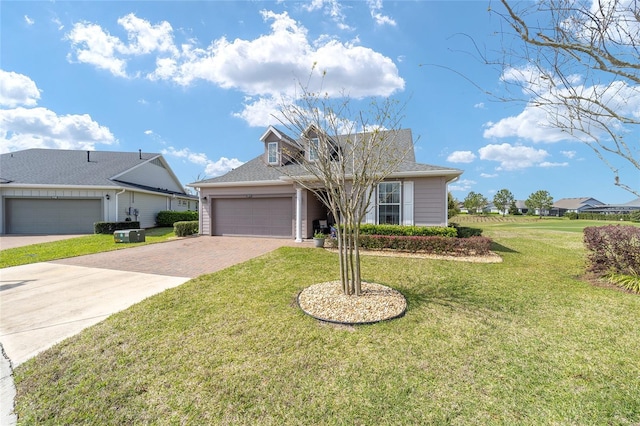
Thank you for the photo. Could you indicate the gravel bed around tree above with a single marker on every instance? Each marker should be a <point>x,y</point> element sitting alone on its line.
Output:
<point>327,302</point>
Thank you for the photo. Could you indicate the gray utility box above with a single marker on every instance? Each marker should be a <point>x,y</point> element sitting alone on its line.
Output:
<point>129,236</point>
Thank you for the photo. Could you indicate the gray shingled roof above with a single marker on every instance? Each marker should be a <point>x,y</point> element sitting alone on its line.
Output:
<point>70,167</point>
<point>257,170</point>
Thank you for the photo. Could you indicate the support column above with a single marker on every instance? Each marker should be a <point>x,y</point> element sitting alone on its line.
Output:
<point>298,215</point>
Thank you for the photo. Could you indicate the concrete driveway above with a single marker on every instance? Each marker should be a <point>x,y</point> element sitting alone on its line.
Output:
<point>44,303</point>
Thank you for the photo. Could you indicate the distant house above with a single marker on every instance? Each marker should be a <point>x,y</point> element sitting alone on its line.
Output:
<point>260,199</point>
<point>573,205</point>
<point>50,191</point>
<point>631,206</point>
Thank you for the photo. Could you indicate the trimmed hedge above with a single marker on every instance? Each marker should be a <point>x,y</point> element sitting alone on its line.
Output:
<point>465,231</point>
<point>613,249</point>
<point>169,217</point>
<point>111,227</point>
<point>599,216</point>
<point>473,246</point>
<point>407,231</point>
<point>185,228</point>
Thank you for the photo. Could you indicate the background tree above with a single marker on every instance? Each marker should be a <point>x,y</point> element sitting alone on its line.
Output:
<point>540,200</point>
<point>351,157</point>
<point>513,208</point>
<point>503,200</point>
<point>452,206</point>
<point>475,202</point>
<point>579,62</point>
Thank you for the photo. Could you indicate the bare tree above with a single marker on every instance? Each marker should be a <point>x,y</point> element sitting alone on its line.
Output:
<point>579,62</point>
<point>345,156</point>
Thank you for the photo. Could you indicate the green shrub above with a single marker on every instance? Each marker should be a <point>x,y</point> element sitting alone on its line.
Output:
<point>407,231</point>
<point>185,228</point>
<point>169,217</point>
<point>465,231</point>
<point>629,282</point>
<point>432,244</point>
<point>571,215</point>
<point>111,227</point>
<point>635,216</point>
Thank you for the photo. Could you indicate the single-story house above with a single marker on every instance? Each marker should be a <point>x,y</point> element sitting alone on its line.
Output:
<point>53,191</point>
<point>626,208</point>
<point>573,205</point>
<point>259,198</point>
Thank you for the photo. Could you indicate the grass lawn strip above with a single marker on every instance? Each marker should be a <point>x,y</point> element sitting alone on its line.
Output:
<point>524,341</point>
<point>72,247</point>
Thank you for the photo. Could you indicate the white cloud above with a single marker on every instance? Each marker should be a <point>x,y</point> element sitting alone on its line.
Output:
<point>145,38</point>
<point>94,46</point>
<point>23,128</point>
<point>545,115</point>
<point>461,157</point>
<point>375,6</point>
<point>462,185</point>
<point>265,68</point>
<point>332,8</point>
<point>211,168</point>
<point>479,105</point>
<point>17,89</point>
<point>547,164</point>
<point>222,166</point>
<point>568,154</point>
<point>513,157</point>
<point>532,124</point>
<point>488,176</point>
<point>28,20</point>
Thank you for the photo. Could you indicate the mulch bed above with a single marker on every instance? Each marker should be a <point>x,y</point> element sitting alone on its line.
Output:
<point>327,302</point>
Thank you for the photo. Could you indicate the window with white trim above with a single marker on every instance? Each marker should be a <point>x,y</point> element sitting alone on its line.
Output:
<point>272,152</point>
<point>314,146</point>
<point>389,203</point>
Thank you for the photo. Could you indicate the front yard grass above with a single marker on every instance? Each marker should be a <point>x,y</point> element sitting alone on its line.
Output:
<point>519,342</point>
<point>72,247</point>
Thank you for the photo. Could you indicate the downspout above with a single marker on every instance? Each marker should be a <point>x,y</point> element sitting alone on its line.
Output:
<point>446,202</point>
<point>201,211</point>
<point>298,215</point>
<point>117,209</point>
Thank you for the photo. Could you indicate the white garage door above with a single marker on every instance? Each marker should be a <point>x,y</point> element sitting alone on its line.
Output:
<point>49,216</point>
<point>269,217</point>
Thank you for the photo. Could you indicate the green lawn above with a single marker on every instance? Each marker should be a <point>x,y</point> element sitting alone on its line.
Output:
<point>75,247</point>
<point>520,342</point>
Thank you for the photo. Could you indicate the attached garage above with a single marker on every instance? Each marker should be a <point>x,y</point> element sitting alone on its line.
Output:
<point>268,216</point>
<point>51,216</point>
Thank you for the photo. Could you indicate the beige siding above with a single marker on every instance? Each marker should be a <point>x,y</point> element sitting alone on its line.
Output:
<point>430,201</point>
<point>148,206</point>
<point>315,210</point>
<point>153,176</point>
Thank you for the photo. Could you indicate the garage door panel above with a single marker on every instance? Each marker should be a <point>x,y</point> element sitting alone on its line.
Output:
<point>51,216</point>
<point>253,216</point>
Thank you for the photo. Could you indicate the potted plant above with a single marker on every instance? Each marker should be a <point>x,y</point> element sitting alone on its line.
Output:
<point>318,238</point>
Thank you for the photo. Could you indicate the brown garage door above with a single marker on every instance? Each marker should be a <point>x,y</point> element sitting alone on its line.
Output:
<point>51,216</point>
<point>269,217</point>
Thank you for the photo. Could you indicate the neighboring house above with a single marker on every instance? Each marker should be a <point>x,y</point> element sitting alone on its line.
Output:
<point>631,206</point>
<point>521,206</point>
<point>260,199</point>
<point>573,205</point>
<point>50,191</point>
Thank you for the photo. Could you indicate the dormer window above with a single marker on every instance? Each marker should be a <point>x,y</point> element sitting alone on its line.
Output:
<point>314,146</point>
<point>272,152</point>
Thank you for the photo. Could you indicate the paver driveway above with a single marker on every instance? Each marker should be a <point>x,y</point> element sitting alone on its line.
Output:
<point>44,303</point>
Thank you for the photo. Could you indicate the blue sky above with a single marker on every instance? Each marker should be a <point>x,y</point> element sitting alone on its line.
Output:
<point>198,82</point>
